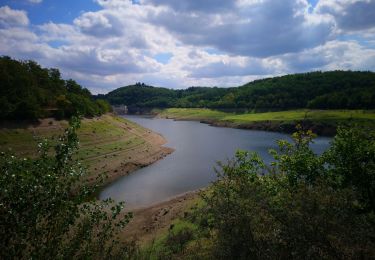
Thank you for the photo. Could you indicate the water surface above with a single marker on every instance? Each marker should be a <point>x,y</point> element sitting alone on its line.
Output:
<point>191,166</point>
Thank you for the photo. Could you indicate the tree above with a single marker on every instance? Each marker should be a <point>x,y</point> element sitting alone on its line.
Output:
<point>351,161</point>
<point>29,91</point>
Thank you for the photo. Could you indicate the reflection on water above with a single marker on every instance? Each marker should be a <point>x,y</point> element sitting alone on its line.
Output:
<point>197,149</point>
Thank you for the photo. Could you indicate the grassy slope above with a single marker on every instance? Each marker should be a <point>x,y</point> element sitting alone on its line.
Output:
<point>326,117</point>
<point>108,144</point>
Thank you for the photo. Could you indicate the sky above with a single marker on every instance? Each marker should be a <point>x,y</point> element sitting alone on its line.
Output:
<point>106,44</point>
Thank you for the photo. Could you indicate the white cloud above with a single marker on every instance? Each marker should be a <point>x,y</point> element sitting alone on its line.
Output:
<point>350,15</point>
<point>222,43</point>
<point>232,67</point>
<point>12,18</point>
<point>334,55</point>
<point>100,24</point>
<point>254,28</point>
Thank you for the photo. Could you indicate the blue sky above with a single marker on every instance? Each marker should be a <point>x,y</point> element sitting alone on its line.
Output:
<point>57,11</point>
<point>105,44</point>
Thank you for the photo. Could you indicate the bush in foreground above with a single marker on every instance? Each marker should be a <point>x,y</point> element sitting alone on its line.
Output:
<point>302,206</point>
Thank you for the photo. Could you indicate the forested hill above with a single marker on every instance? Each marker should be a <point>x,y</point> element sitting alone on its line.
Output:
<point>28,91</point>
<point>319,90</point>
<point>141,95</point>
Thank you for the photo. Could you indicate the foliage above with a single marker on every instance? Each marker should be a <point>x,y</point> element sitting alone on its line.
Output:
<point>46,211</point>
<point>173,244</point>
<point>29,91</point>
<point>315,90</point>
<point>351,162</point>
<point>301,206</point>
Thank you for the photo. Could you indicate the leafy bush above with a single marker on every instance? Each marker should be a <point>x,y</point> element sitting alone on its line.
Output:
<point>172,245</point>
<point>302,206</point>
<point>46,210</point>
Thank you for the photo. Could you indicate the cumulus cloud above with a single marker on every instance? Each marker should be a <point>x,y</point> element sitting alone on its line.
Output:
<point>222,43</point>
<point>58,32</point>
<point>254,28</point>
<point>350,15</point>
<point>99,24</point>
<point>334,55</point>
<point>12,18</point>
<point>207,6</point>
<point>222,69</point>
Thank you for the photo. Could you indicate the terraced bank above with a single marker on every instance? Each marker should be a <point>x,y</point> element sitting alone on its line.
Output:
<point>108,144</point>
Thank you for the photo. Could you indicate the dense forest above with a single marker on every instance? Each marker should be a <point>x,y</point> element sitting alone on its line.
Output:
<point>29,91</point>
<point>319,90</point>
<point>141,96</point>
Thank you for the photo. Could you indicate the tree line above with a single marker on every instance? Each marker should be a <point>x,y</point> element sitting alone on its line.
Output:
<point>29,91</point>
<point>315,90</point>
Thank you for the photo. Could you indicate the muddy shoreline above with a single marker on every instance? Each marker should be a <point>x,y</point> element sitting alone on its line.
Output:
<point>321,129</point>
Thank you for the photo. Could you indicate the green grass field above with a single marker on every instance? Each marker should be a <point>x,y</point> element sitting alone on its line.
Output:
<point>105,133</point>
<point>193,113</point>
<point>284,116</point>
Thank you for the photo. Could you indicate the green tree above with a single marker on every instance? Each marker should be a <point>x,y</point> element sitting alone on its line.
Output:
<point>351,161</point>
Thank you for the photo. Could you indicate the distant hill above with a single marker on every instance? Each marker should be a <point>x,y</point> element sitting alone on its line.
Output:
<point>28,91</point>
<point>319,90</point>
<point>143,96</point>
<point>322,90</point>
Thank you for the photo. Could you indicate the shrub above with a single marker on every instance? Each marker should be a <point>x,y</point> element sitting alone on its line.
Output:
<point>301,206</point>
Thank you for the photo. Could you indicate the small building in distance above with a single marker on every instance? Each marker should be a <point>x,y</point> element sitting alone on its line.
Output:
<point>120,109</point>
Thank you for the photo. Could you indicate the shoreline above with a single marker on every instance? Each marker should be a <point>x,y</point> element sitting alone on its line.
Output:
<point>140,159</point>
<point>320,122</point>
<point>110,146</point>
<point>321,129</point>
<point>128,168</point>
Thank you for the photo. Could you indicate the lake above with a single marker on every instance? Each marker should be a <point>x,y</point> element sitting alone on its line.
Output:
<point>198,147</point>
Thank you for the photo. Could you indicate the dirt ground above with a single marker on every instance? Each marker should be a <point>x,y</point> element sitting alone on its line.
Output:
<point>151,221</point>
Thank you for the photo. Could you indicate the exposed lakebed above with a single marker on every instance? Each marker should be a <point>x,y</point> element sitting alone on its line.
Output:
<point>198,147</point>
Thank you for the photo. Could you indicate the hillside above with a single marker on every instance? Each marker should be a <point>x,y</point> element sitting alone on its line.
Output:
<point>143,97</point>
<point>29,91</point>
<point>318,90</point>
<point>108,144</point>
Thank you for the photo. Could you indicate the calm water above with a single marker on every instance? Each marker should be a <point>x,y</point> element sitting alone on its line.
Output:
<point>197,149</point>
